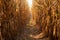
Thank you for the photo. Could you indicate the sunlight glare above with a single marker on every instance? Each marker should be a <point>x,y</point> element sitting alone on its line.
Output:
<point>29,3</point>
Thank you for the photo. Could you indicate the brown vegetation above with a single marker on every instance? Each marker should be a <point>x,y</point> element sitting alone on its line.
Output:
<point>15,15</point>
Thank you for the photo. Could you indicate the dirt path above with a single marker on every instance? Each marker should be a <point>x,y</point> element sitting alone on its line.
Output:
<point>27,32</point>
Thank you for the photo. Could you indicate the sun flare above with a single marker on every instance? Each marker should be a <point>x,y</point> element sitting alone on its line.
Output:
<point>29,3</point>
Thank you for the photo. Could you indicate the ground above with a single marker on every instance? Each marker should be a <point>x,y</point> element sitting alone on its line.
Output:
<point>30,30</point>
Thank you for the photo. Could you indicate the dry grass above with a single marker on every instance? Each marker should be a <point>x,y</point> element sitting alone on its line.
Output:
<point>14,15</point>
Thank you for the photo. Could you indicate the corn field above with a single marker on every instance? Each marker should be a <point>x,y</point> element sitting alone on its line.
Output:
<point>30,19</point>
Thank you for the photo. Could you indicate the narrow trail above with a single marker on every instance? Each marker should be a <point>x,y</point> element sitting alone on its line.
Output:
<point>30,30</point>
